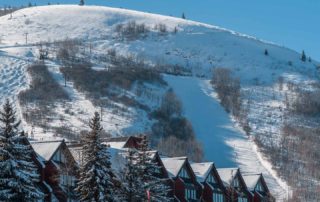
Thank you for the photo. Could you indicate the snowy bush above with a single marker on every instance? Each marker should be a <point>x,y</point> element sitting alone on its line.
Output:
<point>112,83</point>
<point>307,102</point>
<point>131,30</point>
<point>228,90</point>
<point>43,87</point>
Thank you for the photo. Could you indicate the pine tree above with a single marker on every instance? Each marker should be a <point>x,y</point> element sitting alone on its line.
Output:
<point>150,174</point>
<point>81,2</point>
<point>18,176</point>
<point>141,175</point>
<point>175,30</point>
<point>131,189</point>
<point>266,52</point>
<point>95,183</point>
<point>183,16</point>
<point>303,56</point>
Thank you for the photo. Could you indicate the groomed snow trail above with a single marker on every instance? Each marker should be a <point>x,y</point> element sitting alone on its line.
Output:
<point>223,143</point>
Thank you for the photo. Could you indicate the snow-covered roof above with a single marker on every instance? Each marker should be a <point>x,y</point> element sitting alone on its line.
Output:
<point>116,145</point>
<point>227,174</point>
<point>201,170</point>
<point>251,181</point>
<point>76,152</point>
<point>46,149</point>
<point>173,165</point>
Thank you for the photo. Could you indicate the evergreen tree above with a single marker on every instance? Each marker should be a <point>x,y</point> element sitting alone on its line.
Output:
<point>95,183</point>
<point>132,187</point>
<point>141,175</point>
<point>150,174</point>
<point>81,2</point>
<point>175,30</point>
<point>303,56</point>
<point>183,16</point>
<point>266,52</point>
<point>18,176</point>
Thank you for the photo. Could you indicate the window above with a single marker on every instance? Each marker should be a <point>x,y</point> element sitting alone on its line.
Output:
<point>242,199</point>
<point>211,179</point>
<point>259,187</point>
<point>190,194</point>
<point>183,173</point>
<point>236,182</point>
<point>218,197</point>
<point>59,157</point>
<point>67,180</point>
<point>63,180</point>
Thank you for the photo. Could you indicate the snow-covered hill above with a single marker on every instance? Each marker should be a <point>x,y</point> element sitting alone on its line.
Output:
<point>196,46</point>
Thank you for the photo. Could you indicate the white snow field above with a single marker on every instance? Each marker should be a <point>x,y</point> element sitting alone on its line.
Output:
<point>196,46</point>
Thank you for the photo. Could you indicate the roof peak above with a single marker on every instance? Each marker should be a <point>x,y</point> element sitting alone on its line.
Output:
<point>46,141</point>
<point>179,158</point>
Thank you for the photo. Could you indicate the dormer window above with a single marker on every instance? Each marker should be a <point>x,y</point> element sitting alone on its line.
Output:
<point>59,157</point>
<point>242,199</point>
<point>211,179</point>
<point>183,173</point>
<point>259,187</point>
<point>235,182</point>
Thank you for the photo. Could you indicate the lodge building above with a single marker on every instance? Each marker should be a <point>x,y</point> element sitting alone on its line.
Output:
<point>57,162</point>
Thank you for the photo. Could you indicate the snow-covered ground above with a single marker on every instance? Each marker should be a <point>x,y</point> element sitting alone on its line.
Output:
<point>218,135</point>
<point>197,46</point>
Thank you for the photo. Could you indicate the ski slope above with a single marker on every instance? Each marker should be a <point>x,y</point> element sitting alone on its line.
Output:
<point>218,135</point>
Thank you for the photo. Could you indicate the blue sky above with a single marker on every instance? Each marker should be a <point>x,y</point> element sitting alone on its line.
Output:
<point>292,23</point>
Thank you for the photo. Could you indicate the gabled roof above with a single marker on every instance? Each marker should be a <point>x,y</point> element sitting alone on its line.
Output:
<point>251,181</point>
<point>76,152</point>
<point>121,142</point>
<point>46,149</point>
<point>227,174</point>
<point>202,170</point>
<point>173,165</point>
